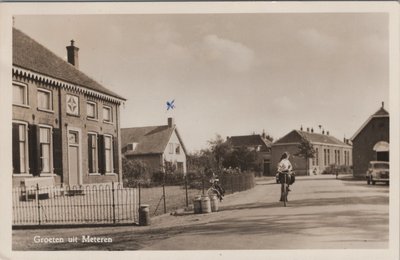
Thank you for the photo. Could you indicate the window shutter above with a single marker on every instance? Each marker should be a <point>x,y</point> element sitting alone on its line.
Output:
<point>57,151</point>
<point>34,150</point>
<point>115,154</point>
<point>102,154</point>
<point>90,155</point>
<point>15,148</point>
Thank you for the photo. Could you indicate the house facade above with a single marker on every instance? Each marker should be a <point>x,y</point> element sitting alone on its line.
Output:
<point>329,151</point>
<point>65,125</point>
<point>155,145</point>
<point>258,143</point>
<point>371,142</point>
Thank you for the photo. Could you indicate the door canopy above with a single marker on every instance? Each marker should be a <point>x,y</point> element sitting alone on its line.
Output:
<point>381,146</point>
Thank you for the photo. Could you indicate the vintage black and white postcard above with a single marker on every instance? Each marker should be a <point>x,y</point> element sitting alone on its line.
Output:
<point>188,130</point>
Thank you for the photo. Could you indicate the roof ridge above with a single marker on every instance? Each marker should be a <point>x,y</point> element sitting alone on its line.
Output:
<point>142,126</point>
<point>57,57</point>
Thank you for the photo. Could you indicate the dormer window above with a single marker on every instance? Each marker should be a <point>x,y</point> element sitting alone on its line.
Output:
<point>131,147</point>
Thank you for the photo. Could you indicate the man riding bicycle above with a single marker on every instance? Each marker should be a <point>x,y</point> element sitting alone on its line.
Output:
<point>285,167</point>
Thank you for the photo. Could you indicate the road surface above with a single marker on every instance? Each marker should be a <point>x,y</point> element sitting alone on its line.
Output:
<point>323,213</point>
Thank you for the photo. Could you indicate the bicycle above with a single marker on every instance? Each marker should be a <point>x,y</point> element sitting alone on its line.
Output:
<point>216,190</point>
<point>284,179</point>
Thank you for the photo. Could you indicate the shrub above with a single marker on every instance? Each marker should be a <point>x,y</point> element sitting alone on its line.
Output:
<point>338,169</point>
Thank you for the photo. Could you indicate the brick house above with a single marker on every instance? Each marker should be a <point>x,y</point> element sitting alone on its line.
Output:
<point>329,151</point>
<point>155,145</point>
<point>371,142</point>
<point>258,143</point>
<point>66,126</point>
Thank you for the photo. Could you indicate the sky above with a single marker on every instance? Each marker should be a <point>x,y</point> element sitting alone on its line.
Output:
<point>231,74</point>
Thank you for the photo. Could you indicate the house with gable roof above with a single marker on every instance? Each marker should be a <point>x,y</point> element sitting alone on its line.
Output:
<point>65,125</point>
<point>155,145</point>
<point>258,143</point>
<point>329,151</point>
<point>371,141</point>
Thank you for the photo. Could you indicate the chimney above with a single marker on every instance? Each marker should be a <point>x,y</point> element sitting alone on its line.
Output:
<point>171,122</point>
<point>312,130</point>
<point>72,52</point>
<point>323,132</point>
<point>327,132</point>
<point>301,128</point>
<point>383,104</point>
<point>308,129</point>
<point>263,134</point>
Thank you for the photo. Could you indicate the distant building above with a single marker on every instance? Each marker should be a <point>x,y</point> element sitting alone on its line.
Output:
<point>257,143</point>
<point>329,151</point>
<point>65,125</point>
<point>155,145</point>
<point>371,142</point>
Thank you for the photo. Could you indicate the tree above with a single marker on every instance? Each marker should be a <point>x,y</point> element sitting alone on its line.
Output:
<point>220,149</point>
<point>134,171</point>
<point>306,150</point>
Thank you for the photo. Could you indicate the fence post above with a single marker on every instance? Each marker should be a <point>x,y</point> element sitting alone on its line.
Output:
<point>202,185</point>
<point>113,201</point>
<point>38,201</point>
<point>140,202</point>
<point>165,205</point>
<point>186,188</point>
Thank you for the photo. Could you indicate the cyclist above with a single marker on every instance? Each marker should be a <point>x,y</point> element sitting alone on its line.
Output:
<point>285,167</point>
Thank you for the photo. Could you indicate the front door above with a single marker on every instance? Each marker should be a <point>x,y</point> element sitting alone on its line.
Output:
<point>74,157</point>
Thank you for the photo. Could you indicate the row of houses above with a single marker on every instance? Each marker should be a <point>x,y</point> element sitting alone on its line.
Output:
<point>369,143</point>
<point>66,127</point>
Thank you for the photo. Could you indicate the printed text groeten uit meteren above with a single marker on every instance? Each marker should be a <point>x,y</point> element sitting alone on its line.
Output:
<point>84,239</point>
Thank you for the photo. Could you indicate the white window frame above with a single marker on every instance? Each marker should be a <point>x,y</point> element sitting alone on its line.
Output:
<point>97,155</point>
<point>26,99</point>
<point>111,115</point>
<point>96,114</point>
<point>112,154</point>
<point>51,173</point>
<point>27,169</point>
<point>50,109</point>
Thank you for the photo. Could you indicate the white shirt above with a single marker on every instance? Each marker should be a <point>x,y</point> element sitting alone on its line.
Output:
<point>284,165</point>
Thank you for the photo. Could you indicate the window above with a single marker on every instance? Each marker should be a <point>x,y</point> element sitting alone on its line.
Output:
<point>329,156</point>
<point>108,154</point>
<point>45,148</point>
<point>92,152</point>
<point>20,94</point>
<point>91,108</point>
<point>171,148</point>
<point>178,149</point>
<point>44,99</point>
<point>179,166</point>
<point>20,148</point>
<point>316,156</point>
<point>107,114</point>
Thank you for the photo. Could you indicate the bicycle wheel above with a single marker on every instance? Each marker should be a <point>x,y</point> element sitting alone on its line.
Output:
<point>285,195</point>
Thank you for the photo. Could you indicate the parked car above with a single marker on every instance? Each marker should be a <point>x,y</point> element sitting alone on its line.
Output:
<point>378,171</point>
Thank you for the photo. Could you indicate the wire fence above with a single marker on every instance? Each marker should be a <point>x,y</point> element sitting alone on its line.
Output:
<point>165,198</point>
<point>90,204</point>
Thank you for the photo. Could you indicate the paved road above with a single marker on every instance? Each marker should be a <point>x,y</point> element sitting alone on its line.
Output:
<point>323,213</point>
